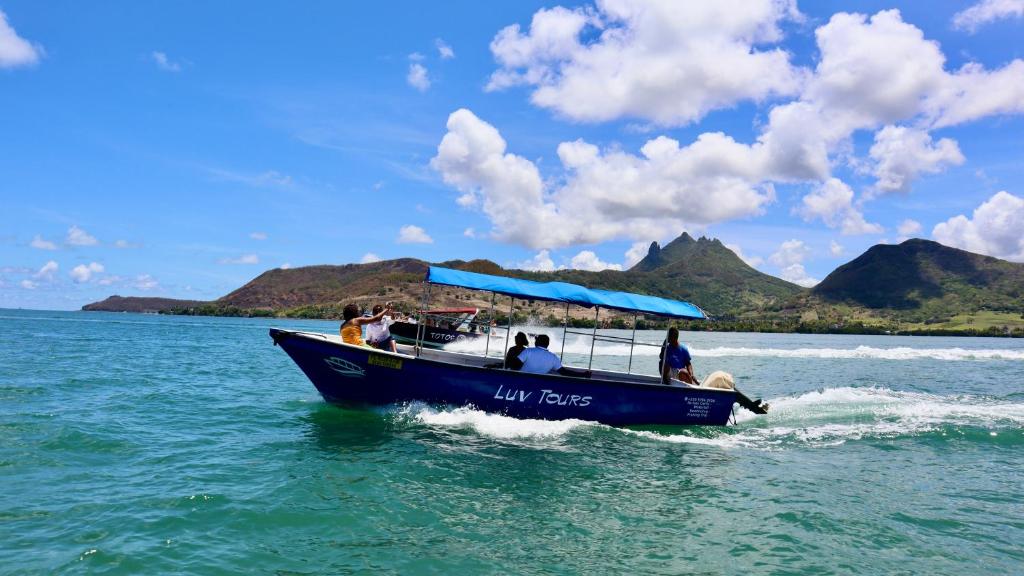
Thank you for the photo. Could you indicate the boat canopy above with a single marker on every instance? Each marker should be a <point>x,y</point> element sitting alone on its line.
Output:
<point>565,292</point>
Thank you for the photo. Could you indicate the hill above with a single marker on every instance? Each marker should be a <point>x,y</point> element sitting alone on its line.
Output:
<point>702,271</point>
<point>923,280</point>
<point>139,304</point>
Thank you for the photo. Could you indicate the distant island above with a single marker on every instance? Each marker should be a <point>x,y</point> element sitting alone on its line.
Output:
<point>916,287</point>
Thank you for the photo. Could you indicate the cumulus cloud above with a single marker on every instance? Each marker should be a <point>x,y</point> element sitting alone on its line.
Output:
<point>40,244</point>
<point>588,260</point>
<point>987,11</point>
<point>636,252</point>
<point>664,61</point>
<point>994,229</point>
<point>789,258</point>
<point>417,76</point>
<point>901,154</point>
<point>832,202</point>
<point>413,235</point>
<point>285,266</point>
<point>908,228</point>
<point>28,284</point>
<point>84,272</point>
<point>469,233</point>
<point>444,50</point>
<point>78,237</point>
<point>709,181</point>
<point>369,258</point>
<point>15,51</point>
<point>835,249</point>
<point>165,63</point>
<point>243,259</point>
<point>541,262</point>
<point>47,271</point>
<point>752,261</point>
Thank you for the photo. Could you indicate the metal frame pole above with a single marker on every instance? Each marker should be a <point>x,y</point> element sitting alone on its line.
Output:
<point>490,319</point>
<point>565,325</point>
<point>632,342</point>
<point>422,329</point>
<point>508,333</point>
<point>593,337</point>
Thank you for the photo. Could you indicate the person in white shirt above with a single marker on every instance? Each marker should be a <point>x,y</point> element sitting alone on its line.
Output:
<point>539,360</point>
<point>378,334</point>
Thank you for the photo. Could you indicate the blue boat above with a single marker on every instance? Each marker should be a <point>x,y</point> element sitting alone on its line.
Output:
<point>359,376</point>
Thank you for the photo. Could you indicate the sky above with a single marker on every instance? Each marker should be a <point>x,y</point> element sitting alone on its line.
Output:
<point>181,149</point>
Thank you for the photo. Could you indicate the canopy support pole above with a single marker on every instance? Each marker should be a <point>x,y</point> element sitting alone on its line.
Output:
<point>593,337</point>
<point>490,321</point>
<point>508,333</point>
<point>421,328</point>
<point>632,342</point>
<point>565,325</point>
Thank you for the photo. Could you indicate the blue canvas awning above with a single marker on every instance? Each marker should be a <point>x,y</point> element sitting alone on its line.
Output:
<point>565,292</point>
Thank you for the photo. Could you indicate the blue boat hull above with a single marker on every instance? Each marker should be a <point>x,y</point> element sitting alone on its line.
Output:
<point>351,375</point>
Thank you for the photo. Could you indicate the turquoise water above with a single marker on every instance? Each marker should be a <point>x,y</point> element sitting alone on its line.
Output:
<point>146,444</point>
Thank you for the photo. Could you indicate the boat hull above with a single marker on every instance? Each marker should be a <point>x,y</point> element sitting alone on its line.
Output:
<point>351,375</point>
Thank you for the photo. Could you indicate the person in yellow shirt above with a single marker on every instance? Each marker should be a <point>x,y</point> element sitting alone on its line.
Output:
<point>352,327</point>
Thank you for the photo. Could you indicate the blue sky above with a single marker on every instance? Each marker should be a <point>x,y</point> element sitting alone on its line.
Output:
<point>181,149</point>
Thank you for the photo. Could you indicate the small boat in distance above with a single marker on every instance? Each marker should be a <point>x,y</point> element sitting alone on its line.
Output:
<point>441,327</point>
<point>354,375</point>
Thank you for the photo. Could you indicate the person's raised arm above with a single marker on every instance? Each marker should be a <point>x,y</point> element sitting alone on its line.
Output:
<point>364,320</point>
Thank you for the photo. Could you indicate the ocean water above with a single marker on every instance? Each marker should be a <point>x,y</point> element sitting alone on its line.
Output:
<point>137,444</point>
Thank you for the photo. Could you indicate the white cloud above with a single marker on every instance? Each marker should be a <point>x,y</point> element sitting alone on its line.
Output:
<point>417,77</point>
<point>752,261</point>
<point>413,235</point>
<point>835,249</point>
<point>15,51</point>
<point>258,235</point>
<point>901,154</point>
<point>996,228</point>
<point>541,262</point>
<point>469,233</point>
<point>790,252</point>
<point>28,284</point>
<point>267,179</point>
<point>712,180</point>
<point>83,273</point>
<point>110,280</point>
<point>145,282</point>
<point>47,272</point>
<point>444,50</point>
<point>124,244</point>
<point>832,202</point>
<point>636,253</point>
<point>796,274</point>
<point>78,237</point>
<point>789,258</point>
<point>39,243</point>
<point>165,63</point>
<point>909,227</point>
<point>369,258</point>
<point>285,266</point>
<point>987,11</point>
<point>588,260</point>
<point>243,259</point>
<point>664,61</point>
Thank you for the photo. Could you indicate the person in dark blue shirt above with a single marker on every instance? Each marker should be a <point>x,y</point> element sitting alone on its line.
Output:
<point>675,364</point>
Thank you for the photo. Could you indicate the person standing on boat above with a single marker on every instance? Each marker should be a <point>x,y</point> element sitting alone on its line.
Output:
<point>378,333</point>
<point>675,363</point>
<point>352,327</point>
<point>539,360</point>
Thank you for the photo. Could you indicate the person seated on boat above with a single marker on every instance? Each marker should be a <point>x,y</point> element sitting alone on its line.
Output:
<point>378,334</point>
<point>352,327</point>
<point>512,361</point>
<point>676,363</point>
<point>539,360</point>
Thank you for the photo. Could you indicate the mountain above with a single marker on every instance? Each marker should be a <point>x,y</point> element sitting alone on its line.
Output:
<point>922,278</point>
<point>702,271</point>
<point>139,304</point>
